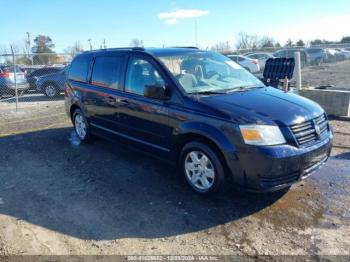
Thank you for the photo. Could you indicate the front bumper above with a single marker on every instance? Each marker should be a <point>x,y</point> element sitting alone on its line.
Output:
<point>276,167</point>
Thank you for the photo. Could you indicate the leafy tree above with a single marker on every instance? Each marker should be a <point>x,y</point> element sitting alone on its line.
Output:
<point>278,45</point>
<point>42,48</point>
<point>300,43</point>
<point>345,40</point>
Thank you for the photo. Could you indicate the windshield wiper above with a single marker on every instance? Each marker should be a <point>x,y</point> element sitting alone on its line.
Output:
<point>241,88</point>
<point>207,93</point>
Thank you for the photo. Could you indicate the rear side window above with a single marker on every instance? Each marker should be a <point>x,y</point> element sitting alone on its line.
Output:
<point>107,71</point>
<point>79,68</point>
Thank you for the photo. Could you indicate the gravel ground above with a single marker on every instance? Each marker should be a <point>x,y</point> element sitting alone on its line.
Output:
<point>60,198</point>
<point>336,75</point>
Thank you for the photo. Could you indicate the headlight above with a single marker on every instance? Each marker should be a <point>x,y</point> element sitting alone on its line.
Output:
<point>262,135</point>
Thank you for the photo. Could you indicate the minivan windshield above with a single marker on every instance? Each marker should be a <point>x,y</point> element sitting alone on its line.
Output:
<point>208,73</point>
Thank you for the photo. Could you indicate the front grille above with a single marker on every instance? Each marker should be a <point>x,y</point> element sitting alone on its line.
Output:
<point>310,131</point>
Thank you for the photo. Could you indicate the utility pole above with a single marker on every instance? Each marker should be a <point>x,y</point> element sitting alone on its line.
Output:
<point>89,40</point>
<point>104,44</point>
<point>28,47</point>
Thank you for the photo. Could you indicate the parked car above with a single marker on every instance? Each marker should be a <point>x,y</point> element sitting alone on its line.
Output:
<point>217,125</point>
<point>34,75</point>
<point>317,55</point>
<point>252,65</point>
<point>52,84</point>
<point>261,57</point>
<point>289,53</point>
<point>8,78</point>
<point>345,53</point>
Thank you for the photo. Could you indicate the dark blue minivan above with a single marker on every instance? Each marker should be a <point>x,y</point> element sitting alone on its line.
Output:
<point>217,122</point>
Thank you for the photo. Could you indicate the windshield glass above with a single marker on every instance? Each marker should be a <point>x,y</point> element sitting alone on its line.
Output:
<point>208,72</point>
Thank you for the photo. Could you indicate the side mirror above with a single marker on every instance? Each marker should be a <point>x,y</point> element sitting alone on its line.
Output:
<point>155,92</point>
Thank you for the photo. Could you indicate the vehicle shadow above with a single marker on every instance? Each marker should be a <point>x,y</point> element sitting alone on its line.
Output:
<point>104,191</point>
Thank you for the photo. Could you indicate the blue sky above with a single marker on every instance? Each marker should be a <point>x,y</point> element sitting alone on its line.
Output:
<point>68,21</point>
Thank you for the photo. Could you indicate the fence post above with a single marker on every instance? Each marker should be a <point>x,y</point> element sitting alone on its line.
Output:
<point>297,71</point>
<point>15,76</point>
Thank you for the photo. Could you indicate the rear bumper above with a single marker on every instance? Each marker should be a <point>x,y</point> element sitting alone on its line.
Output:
<point>274,168</point>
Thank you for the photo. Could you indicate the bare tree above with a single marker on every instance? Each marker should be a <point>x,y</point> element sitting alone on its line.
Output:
<point>266,41</point>
<point>222,47</point>
<point>74,49</point>
<point>245,41</point>
<point>136,43</point>
<point>289,43</point>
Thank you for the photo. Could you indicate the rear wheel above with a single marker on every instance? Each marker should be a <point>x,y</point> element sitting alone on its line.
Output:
<point>202,168</point>
<point>81,126</point>
<point>51,90</point>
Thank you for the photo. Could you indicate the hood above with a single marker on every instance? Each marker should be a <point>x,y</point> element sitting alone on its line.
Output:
<point>265,106</point>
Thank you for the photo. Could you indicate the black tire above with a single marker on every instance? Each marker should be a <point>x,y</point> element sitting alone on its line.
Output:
<point>51,90</point>
<point>87,138</point>
<point>219,173</point>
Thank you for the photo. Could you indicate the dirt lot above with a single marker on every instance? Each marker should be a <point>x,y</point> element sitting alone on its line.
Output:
<point>60,198</point>
<point>336,75</point>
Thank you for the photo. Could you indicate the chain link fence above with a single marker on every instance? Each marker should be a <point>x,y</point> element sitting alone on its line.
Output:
<point>32,78</point>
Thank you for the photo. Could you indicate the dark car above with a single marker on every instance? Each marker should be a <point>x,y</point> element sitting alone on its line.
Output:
<point>34,75</point>
<point>317,55</point>
<point>52,84</point>
<point>214,120</point>
<point>289,53</point>
<point>9,81</point>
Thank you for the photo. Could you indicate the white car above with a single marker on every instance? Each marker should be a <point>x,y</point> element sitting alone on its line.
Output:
<point>252,65</point>
<point>261,57</point>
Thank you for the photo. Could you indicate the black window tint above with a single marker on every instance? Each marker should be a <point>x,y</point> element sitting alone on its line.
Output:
<point>79,68</point>
<point>106,71</point>
<point>141,73</point>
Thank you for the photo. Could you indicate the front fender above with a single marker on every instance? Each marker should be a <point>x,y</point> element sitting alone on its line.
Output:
<point>210,132</point>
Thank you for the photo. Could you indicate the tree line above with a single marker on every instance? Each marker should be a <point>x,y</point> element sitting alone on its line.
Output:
<point>246,41</point>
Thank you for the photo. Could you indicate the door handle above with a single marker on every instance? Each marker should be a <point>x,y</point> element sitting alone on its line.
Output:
<point>111,99</point>
<point>122,101</point>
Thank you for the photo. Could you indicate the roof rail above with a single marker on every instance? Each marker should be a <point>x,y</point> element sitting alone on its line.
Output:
<point>118,48</point>
<point>191,47</point>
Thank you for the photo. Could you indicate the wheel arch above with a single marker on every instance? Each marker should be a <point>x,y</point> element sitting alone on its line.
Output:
<point>208,135</point>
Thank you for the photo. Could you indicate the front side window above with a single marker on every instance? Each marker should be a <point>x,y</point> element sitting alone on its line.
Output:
<point>106,71</point>
<point>200,72</point>
<point>141,73</point>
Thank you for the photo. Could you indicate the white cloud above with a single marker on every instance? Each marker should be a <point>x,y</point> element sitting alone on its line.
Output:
<point>326,27</point>
<point>172,18</point>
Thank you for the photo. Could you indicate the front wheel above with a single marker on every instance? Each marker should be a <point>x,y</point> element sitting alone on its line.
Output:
<point>81,126</point>
<point>51,90</point>
<point>202,168</point>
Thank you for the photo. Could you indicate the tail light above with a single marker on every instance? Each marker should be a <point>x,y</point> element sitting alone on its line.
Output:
<point>255,61</point>
<point>5,74</point>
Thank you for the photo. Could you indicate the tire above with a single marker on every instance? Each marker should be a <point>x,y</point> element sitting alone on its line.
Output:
<point>81,126</point>
<point>209,168</point>
<point>51,90</point>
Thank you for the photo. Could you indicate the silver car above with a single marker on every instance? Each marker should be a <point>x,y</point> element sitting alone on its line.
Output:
<point>8,79</point>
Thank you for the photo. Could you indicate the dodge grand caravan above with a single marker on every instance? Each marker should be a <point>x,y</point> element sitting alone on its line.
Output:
<point>200,110</point>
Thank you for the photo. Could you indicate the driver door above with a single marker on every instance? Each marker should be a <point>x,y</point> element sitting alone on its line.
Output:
<point>143,119</point>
